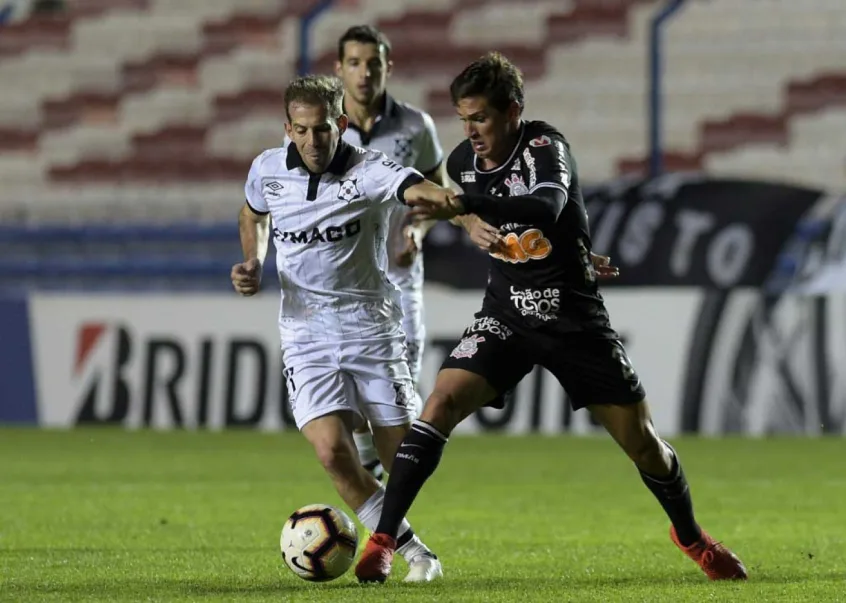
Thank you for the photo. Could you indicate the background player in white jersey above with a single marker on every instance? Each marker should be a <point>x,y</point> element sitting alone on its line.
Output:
<point>342,342</point>
<point>407,135</point>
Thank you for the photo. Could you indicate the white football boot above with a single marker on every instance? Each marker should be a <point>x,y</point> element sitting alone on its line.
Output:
<point>425,567</point>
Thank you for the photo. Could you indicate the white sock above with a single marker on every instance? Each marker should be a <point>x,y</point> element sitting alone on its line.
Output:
<point>370,512</point>
<point>366,449</point>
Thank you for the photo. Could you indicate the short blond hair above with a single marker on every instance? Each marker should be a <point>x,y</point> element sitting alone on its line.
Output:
<point>323,90</point>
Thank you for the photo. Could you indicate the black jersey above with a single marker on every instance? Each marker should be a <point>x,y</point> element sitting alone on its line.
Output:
<point>544,280</point>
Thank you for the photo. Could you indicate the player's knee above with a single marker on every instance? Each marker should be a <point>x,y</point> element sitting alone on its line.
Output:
<point>443,410</point>
<point>643,446</point>
<point>336,456</point>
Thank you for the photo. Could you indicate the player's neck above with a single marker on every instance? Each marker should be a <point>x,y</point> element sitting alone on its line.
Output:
<point>363,116</point>
<point>491,163</point>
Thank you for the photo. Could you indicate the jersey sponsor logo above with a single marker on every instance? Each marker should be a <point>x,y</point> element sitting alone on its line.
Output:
<point>467,347</point>
<point>540,141</point>
<point>348,190</point>
<point>516,185</point>
<point>273,189</point>
<point>531,245</point>
<point>539,303</point>
<point>468,176</point>
<point>562,164</point>
<point>530,164</point>
<point>486,324</point>
<point>331,234</point>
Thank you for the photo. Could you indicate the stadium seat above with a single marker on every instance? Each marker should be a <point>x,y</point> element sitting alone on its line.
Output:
<point>126,96</point>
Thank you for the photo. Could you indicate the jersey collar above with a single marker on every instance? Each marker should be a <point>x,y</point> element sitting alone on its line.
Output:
<point>337,166</point>
<point>505,163</point>
<point>388,111</point>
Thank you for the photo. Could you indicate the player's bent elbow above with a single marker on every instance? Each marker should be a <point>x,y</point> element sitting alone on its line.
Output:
<point>555,204</point>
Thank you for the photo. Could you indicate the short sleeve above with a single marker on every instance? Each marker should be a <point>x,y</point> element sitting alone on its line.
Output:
<point>430,154</point>
<point>383,177</point>
<point>252,188</point>
<point>551,163</point>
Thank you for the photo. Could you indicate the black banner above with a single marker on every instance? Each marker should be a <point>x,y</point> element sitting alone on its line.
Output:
<point>676,230</point>
<point>776,368</point>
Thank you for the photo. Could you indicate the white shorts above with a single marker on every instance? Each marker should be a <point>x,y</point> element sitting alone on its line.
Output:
<point>370,378</point>
<point>414,352</point>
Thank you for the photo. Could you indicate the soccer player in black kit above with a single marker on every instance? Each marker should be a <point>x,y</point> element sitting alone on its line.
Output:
<point>542,306</point>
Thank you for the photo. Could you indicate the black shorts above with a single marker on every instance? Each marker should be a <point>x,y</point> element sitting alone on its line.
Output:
<point>592,369</point>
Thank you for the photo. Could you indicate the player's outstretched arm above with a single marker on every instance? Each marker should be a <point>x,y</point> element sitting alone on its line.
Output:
<point>254,230</point>
<point>427,194</point>
<point>544,205</point>
<point>420,227</point>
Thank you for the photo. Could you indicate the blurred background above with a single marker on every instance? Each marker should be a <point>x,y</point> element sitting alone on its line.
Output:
<point>711,134</point>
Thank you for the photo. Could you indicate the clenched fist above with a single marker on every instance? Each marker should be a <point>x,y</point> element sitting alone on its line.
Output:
<point>246,277</point>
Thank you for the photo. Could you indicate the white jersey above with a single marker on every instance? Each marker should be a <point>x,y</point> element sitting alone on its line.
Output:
<point>407,135</point>
<point>329,231</point>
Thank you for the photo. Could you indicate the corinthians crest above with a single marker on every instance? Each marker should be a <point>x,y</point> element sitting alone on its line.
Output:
<point>516,185</point>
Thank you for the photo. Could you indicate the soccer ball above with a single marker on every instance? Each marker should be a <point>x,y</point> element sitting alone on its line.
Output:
<point>319,542</point>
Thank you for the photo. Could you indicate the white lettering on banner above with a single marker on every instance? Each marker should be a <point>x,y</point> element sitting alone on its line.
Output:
<point>639,232</point>
<point>158,361</point>
<point>604,230</point>
<point>729,254</point>
<point>691,225</point>
<point>539,303</point>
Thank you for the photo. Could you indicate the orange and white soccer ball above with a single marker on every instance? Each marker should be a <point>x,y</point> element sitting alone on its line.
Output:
<point>319,542</point>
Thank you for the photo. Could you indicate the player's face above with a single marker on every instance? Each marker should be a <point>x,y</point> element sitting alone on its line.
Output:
<point>315,134</point>
<point>364,71</point>
<point>490,131</point>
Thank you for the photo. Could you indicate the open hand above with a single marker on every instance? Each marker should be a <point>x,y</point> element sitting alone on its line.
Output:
<point>602,266</point>
<point>483,235</point>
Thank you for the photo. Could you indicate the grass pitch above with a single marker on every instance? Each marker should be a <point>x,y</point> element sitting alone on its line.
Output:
<point>103,515</point>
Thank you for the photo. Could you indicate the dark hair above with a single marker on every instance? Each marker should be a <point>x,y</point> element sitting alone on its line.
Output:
<point>492,76</point>
<point>364,34</point>
<point>324,90</point>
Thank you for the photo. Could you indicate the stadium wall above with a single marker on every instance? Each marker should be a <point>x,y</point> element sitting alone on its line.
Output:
<point>731,302</point>
<point>760,365</point>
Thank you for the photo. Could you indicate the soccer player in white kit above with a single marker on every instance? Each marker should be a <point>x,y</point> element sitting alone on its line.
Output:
<point>406,135</point>
<point>343,345</point>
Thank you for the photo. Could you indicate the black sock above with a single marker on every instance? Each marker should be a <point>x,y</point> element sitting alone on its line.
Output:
<point>416,459</point>
<point>673,493</point>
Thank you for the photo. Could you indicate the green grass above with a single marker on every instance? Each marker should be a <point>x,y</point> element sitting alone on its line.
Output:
<point>137,516</point>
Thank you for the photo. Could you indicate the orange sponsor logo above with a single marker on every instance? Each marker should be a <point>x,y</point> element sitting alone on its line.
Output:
<point>531,245</point>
